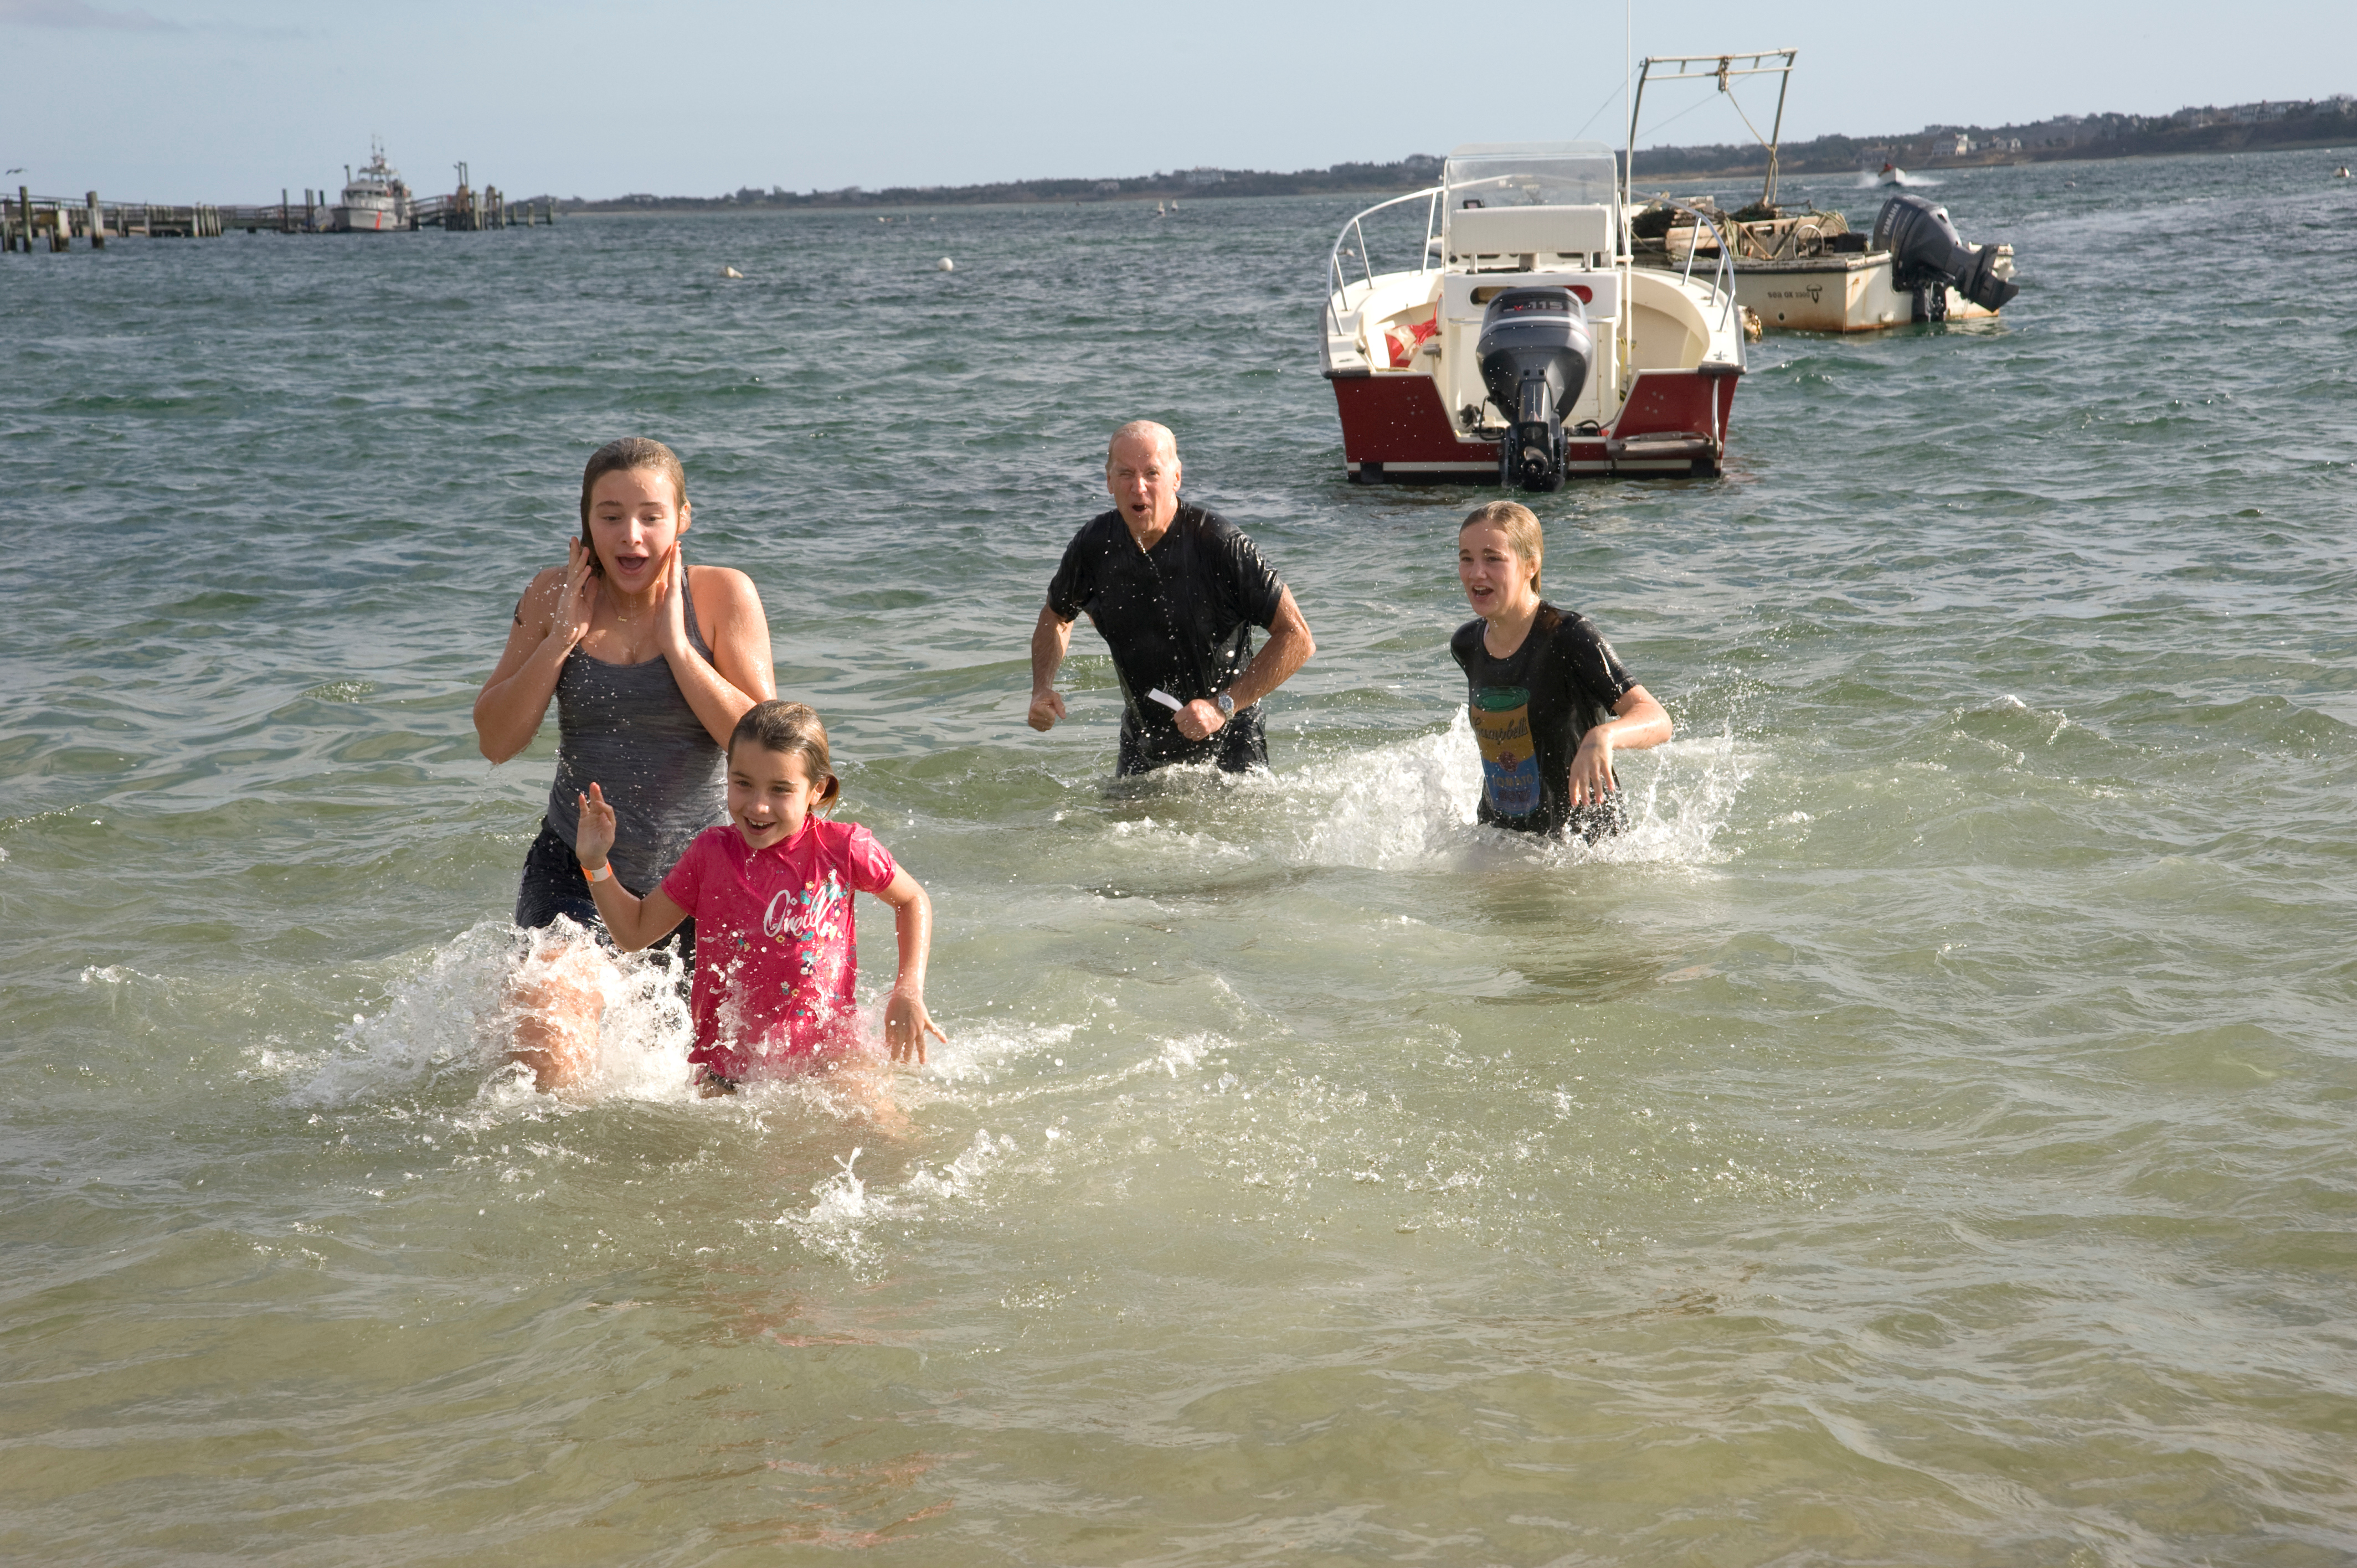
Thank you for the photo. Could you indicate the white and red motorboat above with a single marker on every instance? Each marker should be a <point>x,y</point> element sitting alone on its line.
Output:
<point>1524,348</point>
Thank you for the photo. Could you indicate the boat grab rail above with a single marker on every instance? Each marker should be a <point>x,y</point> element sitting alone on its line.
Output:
<point>1722,280</point>
<point>1336,282</point>
<point>1722,283</point>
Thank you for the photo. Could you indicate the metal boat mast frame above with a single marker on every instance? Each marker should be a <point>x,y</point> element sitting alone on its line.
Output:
<point>1720,68</point>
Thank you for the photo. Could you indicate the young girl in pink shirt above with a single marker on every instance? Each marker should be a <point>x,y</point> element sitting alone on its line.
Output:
<point>770,892</point>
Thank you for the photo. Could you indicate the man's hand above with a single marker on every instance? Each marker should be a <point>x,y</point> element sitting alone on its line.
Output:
<point>1050,638</point>
<point>1199,720</point>
<point>1047,707</point>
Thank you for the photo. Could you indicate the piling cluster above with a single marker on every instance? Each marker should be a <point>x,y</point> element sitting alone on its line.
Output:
<point>57,221</point>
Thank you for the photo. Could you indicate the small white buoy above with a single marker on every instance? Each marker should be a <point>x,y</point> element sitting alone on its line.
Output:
<point>945,265</point>
<point>730,272</point>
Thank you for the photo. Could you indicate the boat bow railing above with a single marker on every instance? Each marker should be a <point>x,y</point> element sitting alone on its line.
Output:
<point>1722,283</point>
<point>1352,243</point>
<point>1336,274</point>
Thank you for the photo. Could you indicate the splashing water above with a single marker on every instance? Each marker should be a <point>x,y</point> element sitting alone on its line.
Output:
<point>1413,804</point>
<point>1868,179</point>
<point>451,1020</point>
<point>963,1176</point>
<point>835,1225</point>
<point>1398,805</point>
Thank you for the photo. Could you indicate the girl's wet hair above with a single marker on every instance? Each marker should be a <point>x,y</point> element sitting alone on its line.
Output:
<point>792,729</point>
<point>620,456</point>
<point>1525,537</point>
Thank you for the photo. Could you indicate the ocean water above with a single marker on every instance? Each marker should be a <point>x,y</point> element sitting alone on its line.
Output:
<point>1926,1137</point>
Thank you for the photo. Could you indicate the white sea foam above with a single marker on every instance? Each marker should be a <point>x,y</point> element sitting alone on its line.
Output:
<point>449,1019</point>
<point>1398,805</point>
<point>1679,802</point>
<point>1413,804</point>
<point>1143,842</point>
<point>1183,1056</point>
<point>835,1225</point>
<point>116,974</point>
<point>1870,178</point>
<point>982,1049</point>
<point>445,1023</point>
<point>960,1178</point>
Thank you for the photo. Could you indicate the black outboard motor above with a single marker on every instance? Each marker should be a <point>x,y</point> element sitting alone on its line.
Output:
<point>1926,256</point>
<point>1535,349</point>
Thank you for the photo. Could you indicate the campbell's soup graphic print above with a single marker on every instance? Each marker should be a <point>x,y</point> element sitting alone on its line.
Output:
<point>1510,768</point>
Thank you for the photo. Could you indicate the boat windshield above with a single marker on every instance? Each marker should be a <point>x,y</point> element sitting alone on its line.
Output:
<point>1532,174</point>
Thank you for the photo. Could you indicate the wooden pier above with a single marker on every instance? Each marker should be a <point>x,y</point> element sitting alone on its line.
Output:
<point>56,221</point>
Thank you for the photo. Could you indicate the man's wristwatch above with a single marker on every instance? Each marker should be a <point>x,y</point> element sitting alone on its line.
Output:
<point>1227,704</point>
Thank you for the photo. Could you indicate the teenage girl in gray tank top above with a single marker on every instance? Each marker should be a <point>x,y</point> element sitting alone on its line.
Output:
<point>651,662</point>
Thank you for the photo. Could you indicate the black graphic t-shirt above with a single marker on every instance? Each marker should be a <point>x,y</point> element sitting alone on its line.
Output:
<point>1530,710</point>
<point>1178,616</point>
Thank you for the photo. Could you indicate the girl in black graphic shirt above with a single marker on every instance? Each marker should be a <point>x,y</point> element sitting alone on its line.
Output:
<point>1549,701</point>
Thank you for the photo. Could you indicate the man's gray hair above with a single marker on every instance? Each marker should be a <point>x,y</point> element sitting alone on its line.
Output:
<point>1144,429</point>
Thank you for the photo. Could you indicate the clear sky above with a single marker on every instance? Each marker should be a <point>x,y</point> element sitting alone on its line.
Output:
<point>230,100</point>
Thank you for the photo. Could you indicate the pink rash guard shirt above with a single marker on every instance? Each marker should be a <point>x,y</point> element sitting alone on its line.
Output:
<point>775,948</point>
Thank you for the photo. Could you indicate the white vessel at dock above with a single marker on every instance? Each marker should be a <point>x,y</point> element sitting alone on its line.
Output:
<point>375,200</point>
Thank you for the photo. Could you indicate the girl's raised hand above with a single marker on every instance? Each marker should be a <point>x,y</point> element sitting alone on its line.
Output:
<point>595,837</point>
<point>578,600</point>
<point>672,617</point>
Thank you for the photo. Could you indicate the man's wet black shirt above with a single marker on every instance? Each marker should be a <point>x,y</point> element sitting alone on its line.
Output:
<point>1178,615</point>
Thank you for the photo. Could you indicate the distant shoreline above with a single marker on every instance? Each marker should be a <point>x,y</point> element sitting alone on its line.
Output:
<point>2102,138</point>
<point>879,204</point>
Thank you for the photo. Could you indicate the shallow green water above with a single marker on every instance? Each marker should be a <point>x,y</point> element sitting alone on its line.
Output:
<point>1925,1139</point>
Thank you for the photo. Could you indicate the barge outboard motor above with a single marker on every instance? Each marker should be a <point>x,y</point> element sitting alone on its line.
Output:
<point>1926,256</point>
<point>1535,349</point>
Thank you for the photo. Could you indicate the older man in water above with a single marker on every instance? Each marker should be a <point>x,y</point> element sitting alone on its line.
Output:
<point>1174,591</point>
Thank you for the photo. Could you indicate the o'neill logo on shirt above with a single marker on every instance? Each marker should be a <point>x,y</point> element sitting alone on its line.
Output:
<point>800,914</point>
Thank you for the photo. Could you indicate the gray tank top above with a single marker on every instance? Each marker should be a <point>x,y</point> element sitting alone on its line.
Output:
<point>629,727</point>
